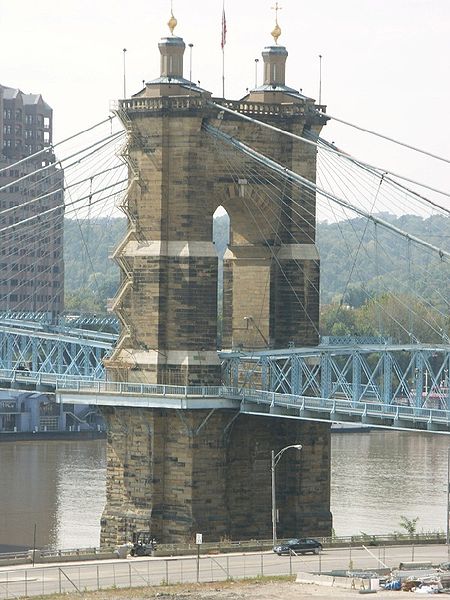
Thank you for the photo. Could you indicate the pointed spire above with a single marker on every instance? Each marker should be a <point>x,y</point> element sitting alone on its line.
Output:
<point>172,23</point>
<point>277,30</point>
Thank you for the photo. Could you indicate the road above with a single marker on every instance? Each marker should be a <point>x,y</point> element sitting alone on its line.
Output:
<point>26,580</point>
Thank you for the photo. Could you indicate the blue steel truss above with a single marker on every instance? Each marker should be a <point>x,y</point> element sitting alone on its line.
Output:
<point>41,348</point>
<point>410,375</point>
<point>76,321</point>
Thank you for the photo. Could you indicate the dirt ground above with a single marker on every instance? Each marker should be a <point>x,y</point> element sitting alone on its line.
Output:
<point>239,590</point>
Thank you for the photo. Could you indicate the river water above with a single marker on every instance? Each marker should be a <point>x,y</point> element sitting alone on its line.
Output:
<point>376,478</point>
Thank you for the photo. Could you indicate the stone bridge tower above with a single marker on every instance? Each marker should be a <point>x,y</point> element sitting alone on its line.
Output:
<point>178,472</point>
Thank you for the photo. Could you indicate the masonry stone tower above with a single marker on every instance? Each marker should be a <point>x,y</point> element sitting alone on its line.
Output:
<point>184,471</point>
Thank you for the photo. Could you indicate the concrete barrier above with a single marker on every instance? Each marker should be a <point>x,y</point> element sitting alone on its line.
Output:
<point>347,583</point>
<point>414,566</point>
<point>54,558</point>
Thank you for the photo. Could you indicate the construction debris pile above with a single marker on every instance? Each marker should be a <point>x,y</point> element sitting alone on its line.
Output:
<point>425,581</point>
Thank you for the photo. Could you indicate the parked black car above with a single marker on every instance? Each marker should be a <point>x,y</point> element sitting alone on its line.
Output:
<point>299,546</point>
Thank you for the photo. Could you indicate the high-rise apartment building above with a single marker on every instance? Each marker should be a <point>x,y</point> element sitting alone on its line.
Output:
<point>31,206</point>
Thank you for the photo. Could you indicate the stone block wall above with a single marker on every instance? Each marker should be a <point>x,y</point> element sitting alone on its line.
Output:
<point>178,473</point>
<point>272,265</point>
<point>182,472</point>
<point>168,299</point>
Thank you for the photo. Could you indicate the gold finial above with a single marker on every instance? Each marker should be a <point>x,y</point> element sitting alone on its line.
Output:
<point>277,30</point>
<point>172,21</point>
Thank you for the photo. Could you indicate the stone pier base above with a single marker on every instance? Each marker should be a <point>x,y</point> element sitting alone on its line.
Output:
<point>181,472</point>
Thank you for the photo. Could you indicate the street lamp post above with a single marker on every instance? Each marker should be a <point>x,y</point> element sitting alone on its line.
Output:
<point>275,460</point>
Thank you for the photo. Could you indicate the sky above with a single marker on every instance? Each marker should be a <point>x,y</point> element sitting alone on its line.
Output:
<point>385,63</point>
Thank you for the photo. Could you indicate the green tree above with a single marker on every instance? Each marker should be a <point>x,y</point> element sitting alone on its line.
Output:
<point>409,525</point>
<point>338,320</point>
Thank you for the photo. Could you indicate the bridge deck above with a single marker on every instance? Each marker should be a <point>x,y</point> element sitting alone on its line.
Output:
<point>247,401</point>
<point>256,402</point>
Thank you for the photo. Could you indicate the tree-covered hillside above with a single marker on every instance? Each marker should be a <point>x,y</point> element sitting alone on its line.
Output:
<point>360,264</point>
<point>360,260</point>
<point>90,275</point>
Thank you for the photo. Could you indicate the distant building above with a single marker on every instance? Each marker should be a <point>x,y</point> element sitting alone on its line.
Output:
<point>33,412</point>
<point>31,255</point>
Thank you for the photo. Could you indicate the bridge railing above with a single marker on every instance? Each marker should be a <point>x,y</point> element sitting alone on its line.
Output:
<point>143,389</point>
<point>333,409</point>
<point>38,378</point>
<point>358,409</point>
<point>349,407</point>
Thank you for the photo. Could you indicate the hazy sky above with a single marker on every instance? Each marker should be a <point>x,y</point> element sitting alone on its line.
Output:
<point>385,62</point>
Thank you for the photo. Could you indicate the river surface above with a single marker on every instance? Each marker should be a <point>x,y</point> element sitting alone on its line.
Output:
<point>376,478</point>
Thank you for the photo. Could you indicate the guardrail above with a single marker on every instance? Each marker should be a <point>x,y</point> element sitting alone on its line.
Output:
<point>224,546</point>
<point>227,546</point>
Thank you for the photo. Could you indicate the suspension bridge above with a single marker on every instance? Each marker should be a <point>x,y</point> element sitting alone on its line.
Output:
<point>177,407</point>
<point>36,349</point>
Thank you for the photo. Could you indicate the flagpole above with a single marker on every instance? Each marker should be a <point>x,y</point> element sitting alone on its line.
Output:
<point>223,72</point>
<point>223,42</point>
<point>320,79</point>
<point>124,74</point>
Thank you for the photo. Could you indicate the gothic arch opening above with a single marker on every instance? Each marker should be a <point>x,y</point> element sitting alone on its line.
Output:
<point>221,239</point>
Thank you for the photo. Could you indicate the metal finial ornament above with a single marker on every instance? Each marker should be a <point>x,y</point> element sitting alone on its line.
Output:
<point>277,30</point>
<point>172,23</point>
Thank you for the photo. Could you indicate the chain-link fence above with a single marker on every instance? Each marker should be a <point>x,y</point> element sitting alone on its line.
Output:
<point>16,582</point>
<point>40,580</point>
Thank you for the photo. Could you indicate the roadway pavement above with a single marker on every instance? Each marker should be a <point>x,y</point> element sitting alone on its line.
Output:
<point>26,580</point>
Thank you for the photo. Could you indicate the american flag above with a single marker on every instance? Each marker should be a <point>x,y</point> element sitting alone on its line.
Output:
<point>224,30</point>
